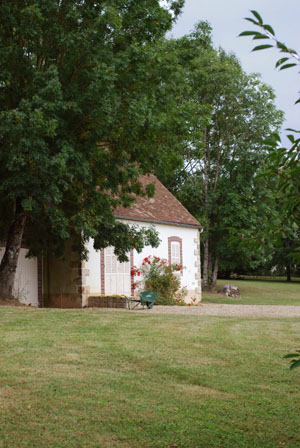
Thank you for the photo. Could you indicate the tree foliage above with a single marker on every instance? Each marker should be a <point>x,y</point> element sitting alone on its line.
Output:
<point>284,162</point>
<point>83,105</point>
<point>232,113</point>
<point>294,359</point>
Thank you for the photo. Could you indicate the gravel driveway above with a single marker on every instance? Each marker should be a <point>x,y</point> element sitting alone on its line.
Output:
<point>215,309</point>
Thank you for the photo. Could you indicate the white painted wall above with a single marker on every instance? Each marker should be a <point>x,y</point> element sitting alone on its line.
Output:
<point>190,257</point>
<point>26,280</point>
<point>93,279</point>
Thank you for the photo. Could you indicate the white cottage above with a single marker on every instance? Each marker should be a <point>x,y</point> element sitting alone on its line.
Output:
<point>178,231</point>
<point>68,284</point>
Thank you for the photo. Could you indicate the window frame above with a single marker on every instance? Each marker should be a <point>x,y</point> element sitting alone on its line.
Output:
<point>175,239</point>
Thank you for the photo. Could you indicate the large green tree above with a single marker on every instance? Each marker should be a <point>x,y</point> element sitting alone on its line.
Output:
<point>83,105</point>
<point>233,113</point>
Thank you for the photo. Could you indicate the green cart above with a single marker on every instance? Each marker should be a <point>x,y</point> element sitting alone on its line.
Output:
<point>146,298</point>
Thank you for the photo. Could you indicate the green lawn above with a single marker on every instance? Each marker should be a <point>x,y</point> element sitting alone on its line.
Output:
<point>90,378</point>
<point>259,292</point>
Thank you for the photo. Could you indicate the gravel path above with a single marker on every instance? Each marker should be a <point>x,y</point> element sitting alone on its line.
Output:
<point>214,309</point>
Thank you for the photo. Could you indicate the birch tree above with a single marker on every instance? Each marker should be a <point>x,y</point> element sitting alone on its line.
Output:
<point>233,113</point>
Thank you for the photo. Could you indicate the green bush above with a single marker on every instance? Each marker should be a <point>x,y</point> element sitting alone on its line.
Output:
<point>157,275</point>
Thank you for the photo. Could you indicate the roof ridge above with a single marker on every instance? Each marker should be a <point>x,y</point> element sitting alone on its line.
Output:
<point>162,207</point>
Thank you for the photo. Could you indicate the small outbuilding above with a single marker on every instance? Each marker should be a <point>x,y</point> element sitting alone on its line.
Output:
<point>68,284</point>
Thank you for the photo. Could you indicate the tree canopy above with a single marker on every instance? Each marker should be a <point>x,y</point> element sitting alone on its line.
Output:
<point>92,95</point>
<point>232,114</point>
<point>82,107</point>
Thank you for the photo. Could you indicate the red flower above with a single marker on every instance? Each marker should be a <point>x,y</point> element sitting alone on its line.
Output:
<point>148,284</point>
<point>138,273</point>
<point>133,272</point>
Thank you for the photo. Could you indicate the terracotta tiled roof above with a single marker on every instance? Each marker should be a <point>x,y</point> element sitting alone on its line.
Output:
<point>163,207</point>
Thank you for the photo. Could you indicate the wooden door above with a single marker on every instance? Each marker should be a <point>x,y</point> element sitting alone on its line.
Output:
<point>117,275</point>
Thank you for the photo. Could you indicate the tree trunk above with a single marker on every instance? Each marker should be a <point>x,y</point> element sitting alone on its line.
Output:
<point>9,261</point>
<point>209,269</point>
<point>288,272</point>
<point>205,265</point>
<point>215,273</point>
<point>205,197</point>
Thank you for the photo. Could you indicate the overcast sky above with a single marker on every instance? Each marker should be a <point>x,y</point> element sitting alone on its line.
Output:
<point>227,20</point>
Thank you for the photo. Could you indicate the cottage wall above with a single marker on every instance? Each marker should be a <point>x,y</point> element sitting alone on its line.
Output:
<point>190,245</point>
<point>63,280</point>
<point>191,277</point>
<point>26,278</point>
<point>92,268</point>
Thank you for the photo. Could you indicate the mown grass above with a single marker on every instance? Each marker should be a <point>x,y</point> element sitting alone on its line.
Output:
<point>90,378</point>
<point>259,292</point>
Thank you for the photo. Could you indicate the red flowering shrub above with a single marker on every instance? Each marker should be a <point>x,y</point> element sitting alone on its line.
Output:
<point>158,276</point>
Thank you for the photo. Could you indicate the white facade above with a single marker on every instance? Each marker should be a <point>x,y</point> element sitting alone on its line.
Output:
<point>93,270</point>
<point>178,242</point>
<point>26,279</point>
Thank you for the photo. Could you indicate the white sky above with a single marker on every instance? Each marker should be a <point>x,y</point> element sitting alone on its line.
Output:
<point>227,20</point>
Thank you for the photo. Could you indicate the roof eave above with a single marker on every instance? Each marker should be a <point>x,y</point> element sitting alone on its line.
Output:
<point>156,221</point>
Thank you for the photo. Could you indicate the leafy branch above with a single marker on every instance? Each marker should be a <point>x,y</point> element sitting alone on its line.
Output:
<point>269,33</point>
<point>286,159</point>
<point>295,361</point>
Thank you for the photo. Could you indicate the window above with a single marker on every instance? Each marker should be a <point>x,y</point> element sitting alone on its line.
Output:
<point>175,250</point>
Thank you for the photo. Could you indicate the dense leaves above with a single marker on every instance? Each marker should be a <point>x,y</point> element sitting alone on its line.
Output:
<point>82,107</point>
<point>232,113</point>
